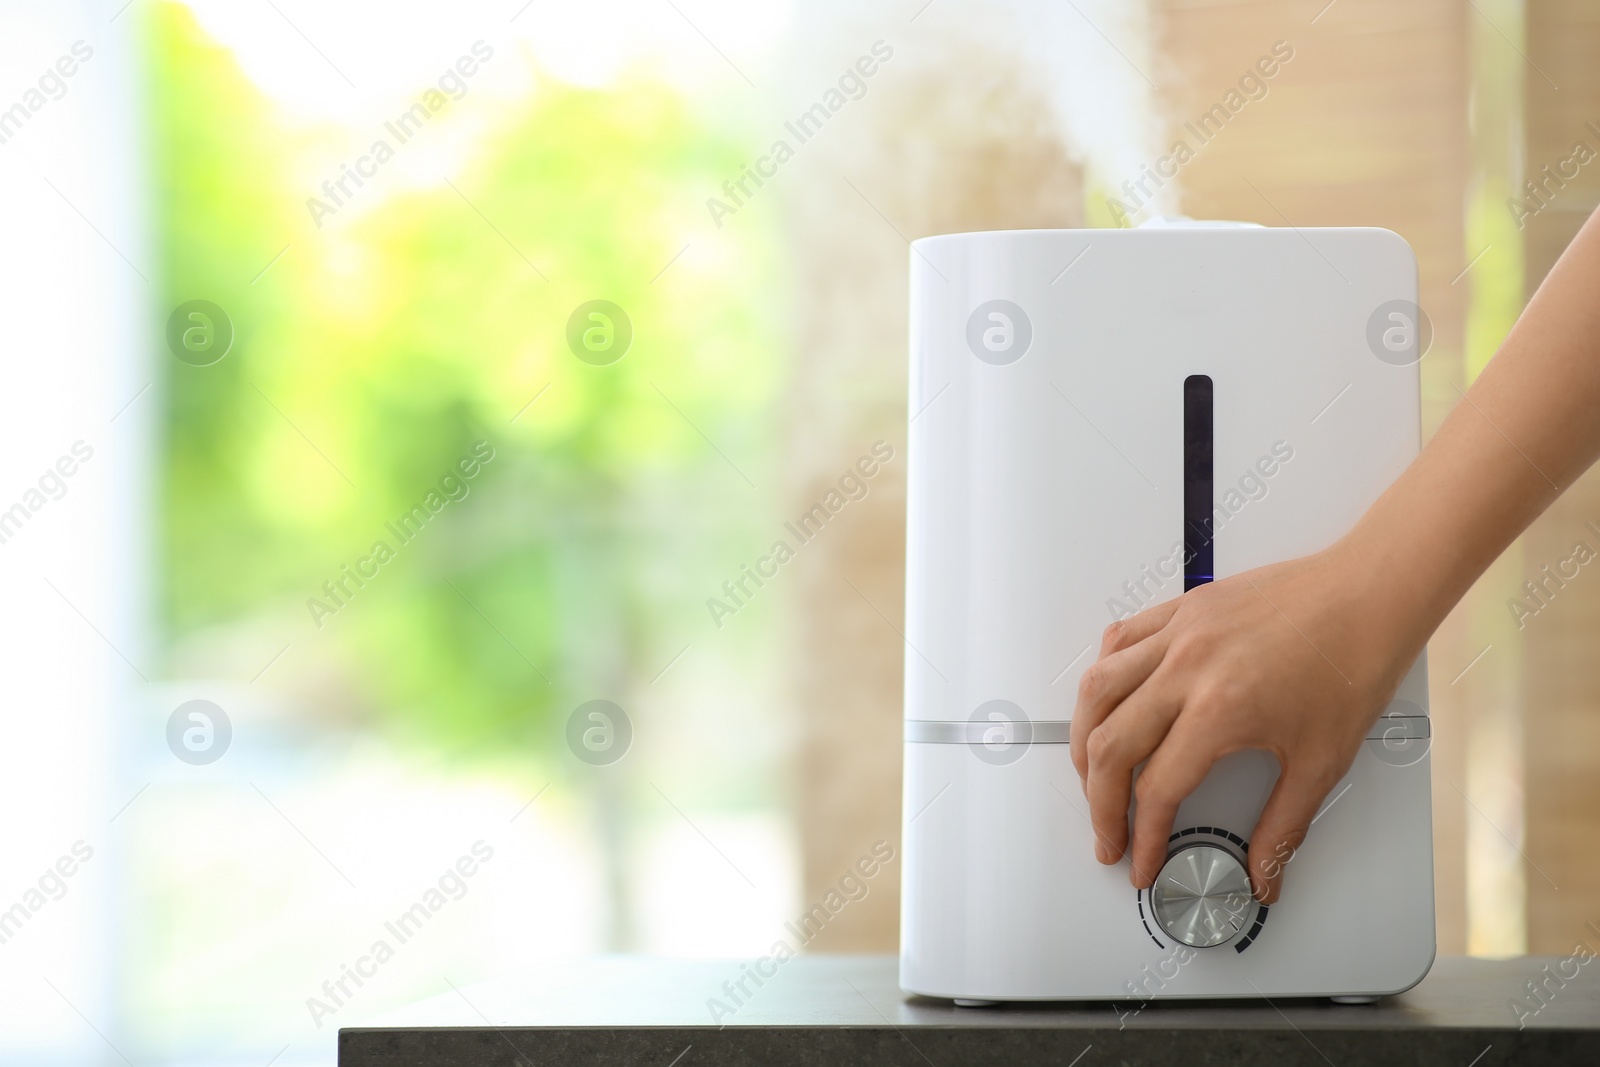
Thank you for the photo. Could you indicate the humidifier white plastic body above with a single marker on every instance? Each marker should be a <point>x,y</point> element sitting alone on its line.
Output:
<point>1052,488</point>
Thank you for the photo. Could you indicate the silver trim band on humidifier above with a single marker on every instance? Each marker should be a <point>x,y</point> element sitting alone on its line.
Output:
<point>1059,731</point>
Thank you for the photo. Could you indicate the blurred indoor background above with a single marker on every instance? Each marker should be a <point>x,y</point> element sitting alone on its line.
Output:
<point>380,320</point>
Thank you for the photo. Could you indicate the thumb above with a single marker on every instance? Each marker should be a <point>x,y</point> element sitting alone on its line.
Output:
<point>1283,825</point>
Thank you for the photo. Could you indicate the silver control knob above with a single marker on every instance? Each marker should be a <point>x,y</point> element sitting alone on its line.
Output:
<point>1202,897</point>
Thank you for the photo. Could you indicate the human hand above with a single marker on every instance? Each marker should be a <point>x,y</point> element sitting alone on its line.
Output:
<point>1294,659</point>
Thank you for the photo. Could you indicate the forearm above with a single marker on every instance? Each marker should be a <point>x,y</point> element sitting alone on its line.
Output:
<point>1525,431</point>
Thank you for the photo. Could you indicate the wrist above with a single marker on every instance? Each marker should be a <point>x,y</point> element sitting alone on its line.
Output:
<point>1394,596</point>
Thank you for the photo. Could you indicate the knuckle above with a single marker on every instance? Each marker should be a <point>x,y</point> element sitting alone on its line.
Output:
<point>1115,636</point>
<point>1282,837</point>
<point>1187,648</point>
<point>1150,793</point>
<point>1203,704</point>
<point>1103,747</point>
<point>1093,683</point>
<point>1217,700</point>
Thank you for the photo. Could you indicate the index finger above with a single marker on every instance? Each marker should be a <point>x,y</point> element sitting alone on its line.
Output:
<point>1176,768</point>
<point>1103,686</point>
<point>1125,633</point>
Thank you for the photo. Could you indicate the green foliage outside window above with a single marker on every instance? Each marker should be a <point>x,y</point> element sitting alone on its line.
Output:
<point>380,348</point>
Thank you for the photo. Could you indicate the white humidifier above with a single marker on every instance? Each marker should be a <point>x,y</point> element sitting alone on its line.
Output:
<point>1101,419</point>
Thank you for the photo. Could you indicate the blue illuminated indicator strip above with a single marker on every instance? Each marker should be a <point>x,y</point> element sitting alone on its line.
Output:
<point>1198,447</point>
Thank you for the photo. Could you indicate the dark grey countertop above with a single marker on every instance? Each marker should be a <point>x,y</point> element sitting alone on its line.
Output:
<point>848,1009</point>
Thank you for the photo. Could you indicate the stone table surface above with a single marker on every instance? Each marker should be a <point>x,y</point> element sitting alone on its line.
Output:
<point>849,1009</point>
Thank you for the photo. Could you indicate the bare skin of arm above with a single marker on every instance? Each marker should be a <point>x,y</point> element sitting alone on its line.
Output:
<point>1298,658</point>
